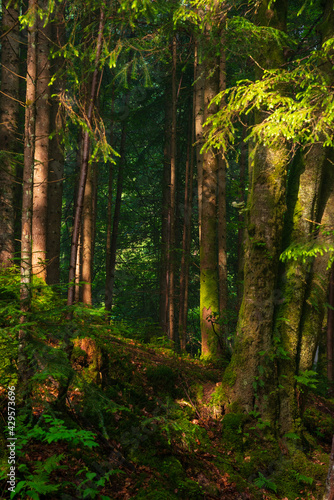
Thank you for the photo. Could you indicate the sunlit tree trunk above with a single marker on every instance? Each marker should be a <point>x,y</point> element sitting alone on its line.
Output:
<point>209,277</point>
<point>27,191</point>
<point>198,119</point>
<point>56,162</point>
<point>42,131</point>
<point>87,239</point>
<point>222,227</point>
<point>9,109</point>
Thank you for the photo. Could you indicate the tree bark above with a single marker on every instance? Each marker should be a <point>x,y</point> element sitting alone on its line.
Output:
<point>27,192</point>
<point>222,227</point>
<point>209,279</point>
<point>9,110</point>
<point>266,208</point>
<point>42,131</point>
<point>87,239</point>
<point>186,238</point>
<point>56,162</point>
<point>198,118</point>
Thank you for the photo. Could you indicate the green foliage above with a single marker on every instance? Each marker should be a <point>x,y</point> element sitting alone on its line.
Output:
<point>263,482</point>
<point>307,380</point>
<point>306,252</point>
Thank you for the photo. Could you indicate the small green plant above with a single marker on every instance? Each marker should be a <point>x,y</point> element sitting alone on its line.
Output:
<point>90,489</point>
<point>38,482</point>
<point>307,380</point>
<point>263,482</point>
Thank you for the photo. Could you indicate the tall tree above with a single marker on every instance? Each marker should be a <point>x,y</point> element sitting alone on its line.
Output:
<point>114,235</point>
<point>9,109</point>
<point>56,156</point>
<point>27,191</point>
<point>42,132</point>
<point>263,245</point>
<point>85,161</point>
<point>209,279</point>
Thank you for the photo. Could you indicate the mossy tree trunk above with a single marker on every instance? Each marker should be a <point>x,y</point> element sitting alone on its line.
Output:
<point>209,298</point>
<point>251,371</point>
<point>301,278</point>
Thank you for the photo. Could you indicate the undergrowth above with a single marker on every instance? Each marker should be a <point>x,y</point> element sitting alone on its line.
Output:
<point>145,423</point>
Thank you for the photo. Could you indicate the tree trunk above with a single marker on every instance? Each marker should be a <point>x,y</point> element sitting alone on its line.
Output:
<point>87,239</point>
<point>117,212</point>
<point>27,192</point>
<point>9,110</point>
<point>222,228</point>
<point>241,218</point>
<point>172,205</point>
<point>84,166</point>
<point>56,163</point>
<point>186,239</point>
<point>307,178</point>
<point>198,118</point>
<point>209,293</point>
<point>266,208</point>
<point>107,300</point>
<point>42,131</point>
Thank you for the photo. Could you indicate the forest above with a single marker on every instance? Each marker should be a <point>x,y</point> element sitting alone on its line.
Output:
<point>167,249</point>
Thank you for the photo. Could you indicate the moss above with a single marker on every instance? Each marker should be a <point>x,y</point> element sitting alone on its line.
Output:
<point>198,390</point>
<point>218,397</point>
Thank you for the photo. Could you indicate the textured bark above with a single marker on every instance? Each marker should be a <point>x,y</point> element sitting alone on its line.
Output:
<point>9,109</point>
<point>308,175</point>
<point>87,239</point>
<point>42,131</point>
<point>28,178</point>
<point>222,227</point>
<point>241,218</point>
<point>56,163</point>
<point>266,208</point>
<point>198,117</point>
<point>209,292</point>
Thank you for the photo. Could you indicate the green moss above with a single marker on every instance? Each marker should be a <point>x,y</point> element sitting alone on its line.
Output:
<point>218,398</point>
<point>198,391</point>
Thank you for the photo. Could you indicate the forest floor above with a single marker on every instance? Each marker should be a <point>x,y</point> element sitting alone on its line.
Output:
<point>156,429</point>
